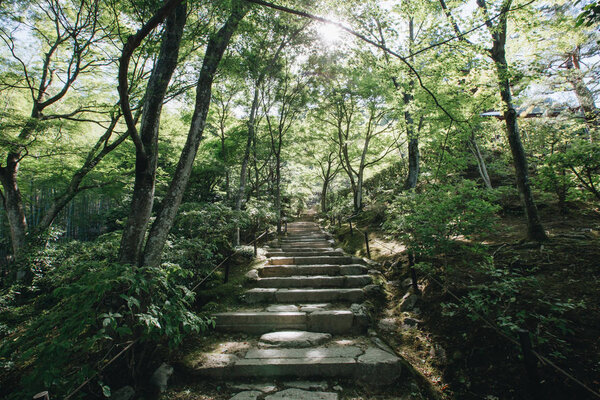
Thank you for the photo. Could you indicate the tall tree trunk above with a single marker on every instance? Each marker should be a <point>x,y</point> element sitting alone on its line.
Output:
<point>224,151</point>
<point>413,138</point>
<point>147,157</point>
<point>413,164</point>
<point>278,188</point>
<point>535,230</point>
<point>241,193</point>
<point>13,203</point>
<point>324,190</point>
<point>214,52</point>
<point>12,199</point>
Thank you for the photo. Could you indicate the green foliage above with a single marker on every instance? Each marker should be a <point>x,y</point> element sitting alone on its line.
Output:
<point>90,306</point>
<point>430,223</point>
<point>512,300</point>
<point>582,158</point>
<point>590,14</point>
<point>202,234</point>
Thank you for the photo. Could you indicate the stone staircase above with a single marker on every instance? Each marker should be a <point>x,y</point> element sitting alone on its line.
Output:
<point>306,302</point>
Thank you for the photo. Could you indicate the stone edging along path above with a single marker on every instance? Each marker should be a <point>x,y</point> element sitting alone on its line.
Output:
<point>307,303</point>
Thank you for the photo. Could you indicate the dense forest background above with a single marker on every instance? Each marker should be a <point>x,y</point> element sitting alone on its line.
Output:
<point>142,142</point>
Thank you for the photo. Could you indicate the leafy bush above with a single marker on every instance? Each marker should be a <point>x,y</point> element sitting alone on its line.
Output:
<point>429,223</point>
<point>582,159</point>
<point>90,308</point>
<point>202,235</point>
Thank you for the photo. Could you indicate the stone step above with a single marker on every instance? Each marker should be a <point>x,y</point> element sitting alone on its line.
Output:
<point>311,260</point>
<point>274,295</point>
<point>368,364</point>
<point>269,271</point>
<point>303,253</point>
<point>305,245</point>
<point>314,281</point>
<point>301,235</point>
<point>328,321</point>
<point>284,247</point>
<point>303,239</point>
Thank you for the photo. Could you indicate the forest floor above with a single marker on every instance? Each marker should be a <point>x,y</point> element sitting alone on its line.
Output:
<point>553,290</point>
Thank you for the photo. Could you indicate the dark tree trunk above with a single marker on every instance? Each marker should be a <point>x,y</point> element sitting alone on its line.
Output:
<point>13,203</point>
<point>241,193</point>
<point>413,138</point>
<point>535,230</point>
<point>413,164</point>
<point>324,190</point>
<point>214,52</point>
<point>147,156</point>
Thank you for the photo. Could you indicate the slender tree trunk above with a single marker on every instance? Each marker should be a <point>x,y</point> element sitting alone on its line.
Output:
<point>74,187</point>
<point>584,96</point>
<point>147,157</point>
<point>326,179</point>
<point>535,230</point>
<point>278,189</point>
<point>224,151</point>
<point>214,52</point>
<point>413,138</point>
<point>480,163</point>
<point>241,193</point>
<point>324,190</point>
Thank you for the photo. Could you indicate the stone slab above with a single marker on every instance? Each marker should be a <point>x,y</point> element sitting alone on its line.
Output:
<point>319,295</point>
<point>299,394</point>
<point>377,362</point>
<point>353,269</point>
<point>294,339</point>
<point>316,353</point>
<point>316,281</point>
<point>269,271</point>
<point>247,395</point>
<point>264,388</point>
<point>334,321</point>
<point>282,308</point>
<point>260,295</point>
<point>292,317</point>
<point>307,385</point>
<point>296,367</point>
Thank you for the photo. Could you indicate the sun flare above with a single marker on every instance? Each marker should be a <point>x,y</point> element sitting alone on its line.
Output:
<point>329,34</point>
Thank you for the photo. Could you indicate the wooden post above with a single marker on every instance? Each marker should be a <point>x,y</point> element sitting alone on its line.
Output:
<point>255,248</point>
<point>226,277</point>
<point>286,227</point>
<point>367,243</point>
<point>530,365</point>
<point>351,230</point>
<point>413,273</point>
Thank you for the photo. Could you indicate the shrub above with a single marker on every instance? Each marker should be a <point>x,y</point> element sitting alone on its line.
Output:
<point>429,223</point>
<point>91,306</point>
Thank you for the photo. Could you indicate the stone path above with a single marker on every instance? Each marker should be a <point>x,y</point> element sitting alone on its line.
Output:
<point>307,303</point>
